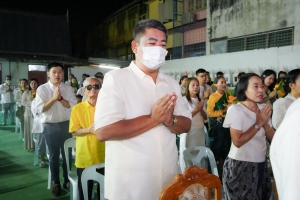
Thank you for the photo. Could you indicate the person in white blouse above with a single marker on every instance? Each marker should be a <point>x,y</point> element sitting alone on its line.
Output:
<point>26,101</point>
<point>18,98</point>
<point>182,83</point>
<point>292,89</point>
<point>284,154</point>
<point>54,100</point>
<point>7,100</point>
<point>138,112</point>
<point>245,172</point>
<point>196,136</point>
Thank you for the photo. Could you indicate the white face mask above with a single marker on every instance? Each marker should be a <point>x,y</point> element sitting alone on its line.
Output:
<point>7,81</point>
<point>153,57</point>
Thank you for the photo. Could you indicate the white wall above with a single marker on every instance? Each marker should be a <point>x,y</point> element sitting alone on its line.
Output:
<point>78,71</point>
<point>238,18</point>
<point>17,70</point>
<point>283,58</point>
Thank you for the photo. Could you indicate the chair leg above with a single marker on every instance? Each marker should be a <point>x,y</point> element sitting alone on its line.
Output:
<point>49,179</point>
<point>36,152</point>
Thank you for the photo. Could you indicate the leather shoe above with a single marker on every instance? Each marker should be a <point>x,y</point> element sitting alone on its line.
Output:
<point>56,190</point>
<point>66,186</point>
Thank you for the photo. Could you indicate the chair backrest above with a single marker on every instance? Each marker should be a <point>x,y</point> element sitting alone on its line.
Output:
<point>194,183</point>
<point>69,143</point>
<point>90,173</point>
<point>191,157</point>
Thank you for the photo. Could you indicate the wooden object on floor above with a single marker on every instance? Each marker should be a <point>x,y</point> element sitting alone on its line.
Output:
<point>194,183</point>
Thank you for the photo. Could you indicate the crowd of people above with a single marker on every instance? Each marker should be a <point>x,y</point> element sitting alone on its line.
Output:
<point>131,120</point>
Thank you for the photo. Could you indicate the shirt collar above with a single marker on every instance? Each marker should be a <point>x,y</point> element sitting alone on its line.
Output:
<point>291,97</point>
<point>52,86</point>
<point>141,75</point>
<point>86,104</point>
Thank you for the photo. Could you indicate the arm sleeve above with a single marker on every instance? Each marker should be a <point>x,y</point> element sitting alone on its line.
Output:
<point>278,113</point>
<point>74,119</point>
<point>2,89</point>
<point>18,96</point>
<point>110,106</point>
<point>211,107</point>
<point>71,98</point>
<point>40,100</point>
<point>24,99</point>
<point>234,118</point>
<point>181,107</point>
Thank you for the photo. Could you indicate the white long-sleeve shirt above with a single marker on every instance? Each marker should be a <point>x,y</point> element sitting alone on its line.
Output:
<point>7,97</point>
<point>57,112</point>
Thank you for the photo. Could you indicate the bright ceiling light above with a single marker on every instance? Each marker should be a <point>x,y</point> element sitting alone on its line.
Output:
<point>109,67</point>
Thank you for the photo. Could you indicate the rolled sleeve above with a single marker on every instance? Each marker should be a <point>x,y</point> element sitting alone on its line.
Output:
<point>181,108</point>
<point>71,98</point>
<point>40,100</point>
<point>233,118</point>
<point>74,120</point>
<point>110,106</point>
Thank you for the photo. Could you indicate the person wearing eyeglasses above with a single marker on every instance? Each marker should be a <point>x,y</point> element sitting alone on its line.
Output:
<point>54,100</point>
<point>88,150</point>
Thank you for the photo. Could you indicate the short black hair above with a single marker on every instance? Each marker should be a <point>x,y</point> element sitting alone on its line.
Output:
<point>54,64</point>
<point>78,96</point>
<point>200,71</point>
<point>291,77</point>
<point>218,78</point>
<point>8,76</point>
<point>242,86</point>
<point>220,73</point>
<point>182,78</point>
<point>240,75</point>
<point>267,73</point>
<point>141,26</point>
<point>99,75</point>
<point>281,72</point>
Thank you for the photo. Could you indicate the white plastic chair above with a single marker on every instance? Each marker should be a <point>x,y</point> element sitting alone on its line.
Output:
<point>90,173</point>
<point>73,178</point>
<point>192,159</point>
<point>36,151</point>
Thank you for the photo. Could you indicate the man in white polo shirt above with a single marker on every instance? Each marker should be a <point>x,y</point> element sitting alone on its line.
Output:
<point>54,100</point>
<point>138,112</point>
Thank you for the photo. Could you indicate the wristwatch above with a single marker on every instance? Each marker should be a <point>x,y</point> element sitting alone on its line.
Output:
<point>257,127</point>
<point>174,122</point>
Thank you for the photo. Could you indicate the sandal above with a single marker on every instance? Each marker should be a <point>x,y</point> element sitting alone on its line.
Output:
<point>43,164</point>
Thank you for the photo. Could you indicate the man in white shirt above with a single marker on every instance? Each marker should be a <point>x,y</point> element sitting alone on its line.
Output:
<point>8,102</point>
<point>54,100</point>
<point>137,113</point>
<point>205,91</point>
<point>284,154</point>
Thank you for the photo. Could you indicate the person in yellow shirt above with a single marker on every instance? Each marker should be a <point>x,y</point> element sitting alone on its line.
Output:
<point>219,137</point>
<point>89,150</point>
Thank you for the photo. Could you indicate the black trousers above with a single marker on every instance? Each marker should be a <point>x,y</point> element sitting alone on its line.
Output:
<point>55,135</point>
<point>90,184</point>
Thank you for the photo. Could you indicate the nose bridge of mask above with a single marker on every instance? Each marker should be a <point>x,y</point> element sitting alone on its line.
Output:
<point>154,53</point>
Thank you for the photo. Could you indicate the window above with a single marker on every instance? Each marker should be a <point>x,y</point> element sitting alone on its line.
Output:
<point>176,52</point>
<point>217,47</point>
<point>37,68</point>
<point>260,41</point>
<point>194,50</point>
<point>281,38</point>
<point>197,5</point>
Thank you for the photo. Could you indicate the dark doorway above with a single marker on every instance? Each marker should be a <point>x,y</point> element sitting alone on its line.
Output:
<point>41,76</point>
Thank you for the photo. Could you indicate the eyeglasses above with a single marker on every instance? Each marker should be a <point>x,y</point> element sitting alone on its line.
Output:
<point>90,87</point>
